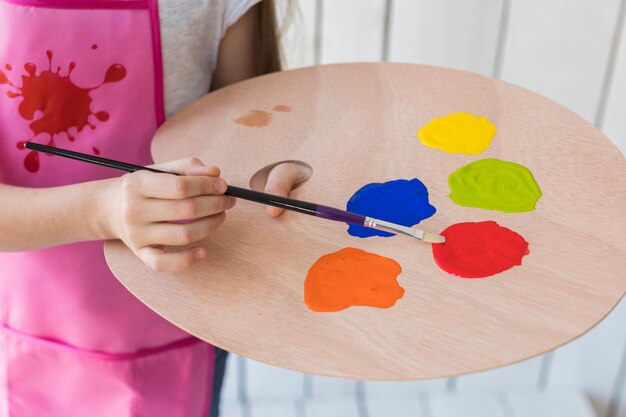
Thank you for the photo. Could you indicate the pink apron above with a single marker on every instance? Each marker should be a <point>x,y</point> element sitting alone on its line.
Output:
<point>84,75</point>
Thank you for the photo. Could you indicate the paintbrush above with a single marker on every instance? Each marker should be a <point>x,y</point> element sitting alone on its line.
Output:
<point>286,203</point>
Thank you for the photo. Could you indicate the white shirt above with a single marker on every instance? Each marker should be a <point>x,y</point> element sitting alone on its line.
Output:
<point>191,31</point>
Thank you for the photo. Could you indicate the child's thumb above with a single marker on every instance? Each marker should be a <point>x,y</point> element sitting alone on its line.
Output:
<point>282,179</point>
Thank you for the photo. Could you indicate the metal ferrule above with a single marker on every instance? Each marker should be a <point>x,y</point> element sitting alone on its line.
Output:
<point>393,228</point>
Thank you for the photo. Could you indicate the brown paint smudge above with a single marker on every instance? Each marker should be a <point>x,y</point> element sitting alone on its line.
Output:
<point>352,277</point>
<point>282,108</point>
<point>255,118</point>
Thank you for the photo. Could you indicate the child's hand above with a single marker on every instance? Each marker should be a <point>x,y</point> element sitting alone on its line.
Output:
<point>145,203</point>
<point>282,179</point>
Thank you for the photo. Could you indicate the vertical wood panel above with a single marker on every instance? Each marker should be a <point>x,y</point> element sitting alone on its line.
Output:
<point>386,390</point>
<point>395,408</point>
<point>230,389</point>
<point>523,375</point>
<point>618,400</point>
<point>331,408</point>
<point>387,25</point>
<point>273,409</point>
<point>609,72</point>
<point>232,410</point>
<point>559,48</point>
<point>266,382</point>
<point>453,33</point>
<point>503,33</point>
<point>319,29</point>
<point>323,387</point>
<point>614,121</point>
<point>466,405</point>
<point>592,361</point>
<point>298,36</point>
<point>352,30</point>
<point>553,404</point>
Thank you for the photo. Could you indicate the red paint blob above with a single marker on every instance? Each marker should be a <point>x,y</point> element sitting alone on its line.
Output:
<point>57,102</point>
<point>478,250</point>
<point>31,162</point>
<point>52,95</point>
<point>96,151</point>
<point>116,72</point>
<point>8,67</point>
<point>30,68</point>
<point>102,116</point>
<point>94,46</point>
<point>3,78</point>
<point>20,145</point>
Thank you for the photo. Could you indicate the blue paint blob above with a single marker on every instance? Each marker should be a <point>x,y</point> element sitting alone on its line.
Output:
<point>403,202</point>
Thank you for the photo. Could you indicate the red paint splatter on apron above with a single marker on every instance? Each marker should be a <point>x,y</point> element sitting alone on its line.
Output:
<point>478,250</point>
<point>60,103</point>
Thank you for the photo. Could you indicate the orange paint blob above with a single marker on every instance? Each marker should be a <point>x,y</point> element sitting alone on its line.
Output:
<point>352,277</point>
<point>281,108</point>
<point>255,118</point>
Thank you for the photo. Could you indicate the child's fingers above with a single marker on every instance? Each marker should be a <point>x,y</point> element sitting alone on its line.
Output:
<point>154,185</point>
<point>160,261</point>
<point>188,166</point>
<point>277,188</point>
<point>179,234</point>
<point>155,210</point>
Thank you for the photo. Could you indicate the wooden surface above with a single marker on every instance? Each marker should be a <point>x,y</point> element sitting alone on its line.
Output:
<point>506,45</point>
<point>356,124</point>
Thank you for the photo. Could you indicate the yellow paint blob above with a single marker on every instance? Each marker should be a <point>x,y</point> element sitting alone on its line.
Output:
<point>460,132</point>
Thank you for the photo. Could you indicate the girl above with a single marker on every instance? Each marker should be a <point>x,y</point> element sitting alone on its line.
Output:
<point>99,76</point>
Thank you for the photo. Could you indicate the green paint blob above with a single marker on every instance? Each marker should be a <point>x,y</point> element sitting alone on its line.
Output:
<point>493,184</point>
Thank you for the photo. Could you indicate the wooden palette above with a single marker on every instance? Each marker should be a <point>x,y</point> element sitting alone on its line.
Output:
<point>356,124</point>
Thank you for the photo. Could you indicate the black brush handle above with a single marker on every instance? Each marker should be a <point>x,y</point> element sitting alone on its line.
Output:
<point>286,203</point>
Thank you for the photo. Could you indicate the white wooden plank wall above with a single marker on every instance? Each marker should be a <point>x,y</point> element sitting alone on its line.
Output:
<point>572,51</point>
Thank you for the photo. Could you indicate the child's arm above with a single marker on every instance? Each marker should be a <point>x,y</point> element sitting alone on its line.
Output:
<point>135,208</point>
<point>238,60</point>
<point>236,57</point>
